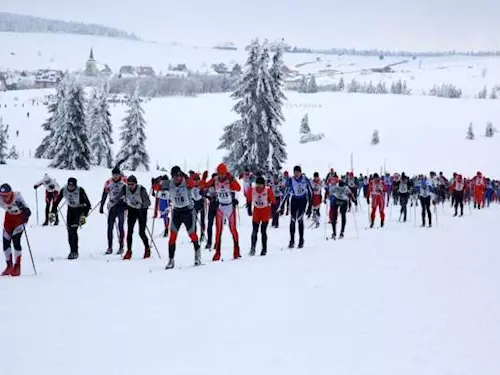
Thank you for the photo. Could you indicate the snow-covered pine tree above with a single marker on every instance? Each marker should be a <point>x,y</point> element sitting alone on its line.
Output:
<point>341,85</point>
<point>493,94</point>
<point>4,138</point>
<point>304,125</point>
<point>353,86</point>
<point>490,132</point>
<point>382,88</point>
<point>46,148</point>
<point>470,132</point>
<point>71,143</point>
<point>483,94</point>
<point>375,138</point>
<point>13,154</point>
<point>133,152</point>
<point>312,87</point>
<point>101,136</point>
<point>303,87</point>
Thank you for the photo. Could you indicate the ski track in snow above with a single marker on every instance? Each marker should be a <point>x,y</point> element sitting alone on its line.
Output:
<point>398,300</point>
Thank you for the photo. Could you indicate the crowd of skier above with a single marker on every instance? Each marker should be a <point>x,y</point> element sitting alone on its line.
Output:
<point>197,201</point>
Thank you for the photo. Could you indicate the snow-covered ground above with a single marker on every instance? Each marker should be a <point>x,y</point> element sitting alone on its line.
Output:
<point>391,301</point>
<point>41,51</point>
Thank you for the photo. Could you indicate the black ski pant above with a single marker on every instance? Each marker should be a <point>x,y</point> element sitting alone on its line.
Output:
<point>50,207</point>
<point>15,240</point>
<point>134,215</point>
<point>297,211</point>
<point>199,207</point>
<point>354,192</point>
<point>116,212</point>
<point>186,216</point>
<point>426,209</point>
<point>275,213</point>
<point>263,231</point>
<point>212,211</point>
<point>403,201</point>
<point>458,199</point>
<point>73,222</point>
<point>342,205</point>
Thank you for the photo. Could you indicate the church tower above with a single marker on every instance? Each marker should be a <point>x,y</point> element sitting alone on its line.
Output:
<point>90,66</point>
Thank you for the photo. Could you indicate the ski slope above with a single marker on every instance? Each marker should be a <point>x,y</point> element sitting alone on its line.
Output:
<point>391,301</point>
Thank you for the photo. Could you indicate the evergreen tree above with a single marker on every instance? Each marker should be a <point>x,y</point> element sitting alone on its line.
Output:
<point>341,85</point>
<point>71,147</point>
<point>353,86</point>
<point>133,152</point>
<point>370,89</point>
<point>4,138</point>
<point>493,94</point>
<point>483,94</point>
<point>375,138</point>
<point>46,148</point>
<point>470,132</point>
<point>102,130</point>
<point>382,88</point>
<point>13,154</point>
<point>489,130</point>
<point>304,125</point>
<point>312,87</point>
<point>303,87</point>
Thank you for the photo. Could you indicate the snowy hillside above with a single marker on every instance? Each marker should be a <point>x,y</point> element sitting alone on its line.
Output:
<point>391,301</point>
<point>42,51</point>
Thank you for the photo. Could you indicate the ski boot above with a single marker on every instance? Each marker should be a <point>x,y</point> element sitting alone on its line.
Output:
<point>56,221</point>
<point>252,251</point>
<point>45,223</point>
<point>216,256</point>
<point>147,253</point>
<point>236,252</point>
<point>372,224</point>
<point>120,250</point>
<point>334,236</point>
<point>381,223</point>
<point>17,268</point>
<point>73,255</point>
<point>208,246</point>
<point>165,232</point>
<point>291,245</point>
<point>171,264</point>
<point>341,235</point>
<point>10,267</point>
<point>109,251</point>
<point>128,255</point>
<point>197,255</point>
<point>301,243</point>
<point>202,237</point>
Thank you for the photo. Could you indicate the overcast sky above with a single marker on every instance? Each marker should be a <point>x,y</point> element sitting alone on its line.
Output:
<point>394,24</point>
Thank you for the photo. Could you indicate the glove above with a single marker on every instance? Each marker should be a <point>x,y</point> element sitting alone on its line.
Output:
<point>309,212</point>
<point>235,202</point>
<point>101,209</point>
<point>249,209</point>
<point>52,187</point>
<point>153,193</point>
<point>83,220</point>
<point>35,187</point>
<point>204,175</point>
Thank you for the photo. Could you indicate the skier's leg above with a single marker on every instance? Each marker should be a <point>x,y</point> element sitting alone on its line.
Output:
<point>143,215</point>
<point>293,218</point>
<point>121,225</point>
<point>47,208</point>
<point>132,216</point>
<point>263,233</point>
<point>343,211</point>
<point>301,213</point>
<point>335,213</point>
<point>111,224</point>
<point>175,224</point>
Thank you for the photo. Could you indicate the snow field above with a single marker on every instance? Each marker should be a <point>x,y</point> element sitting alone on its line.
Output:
<point>398,300</point>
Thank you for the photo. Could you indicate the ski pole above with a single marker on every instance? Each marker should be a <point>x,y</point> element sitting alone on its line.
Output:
<point>355,225</point>
<point>153,227</point>
<point>36,200</point>
<point>153,242</point>
<point>29,249</point>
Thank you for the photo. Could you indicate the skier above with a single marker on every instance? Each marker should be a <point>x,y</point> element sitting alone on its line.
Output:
<point>198,196</point>
<point>163,196</point>
<point>457,192</point>
<point>225,186</point>
<point>425,199</point>
<point>260,197</point>
<point>51,193</point>
<point>479,185</point>
<point>17,215</point>
<point>366,194</point>
<point>388,187</point>
<point>278,188</point>
<point>352,182</point>
<point>339,194</point>
<point>213,206</point>
<point>183,212</point>
<point>317,189</point>
<point>403,194</point>
<point>114,187</point>
<point>137,200</point>
<point>286,201</point>
<point>299,191</point>
<point>377,192</point>
<point>155,187</point>
<point>78,208</point>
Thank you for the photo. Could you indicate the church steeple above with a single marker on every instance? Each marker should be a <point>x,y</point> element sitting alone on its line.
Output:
<point>91,57</point>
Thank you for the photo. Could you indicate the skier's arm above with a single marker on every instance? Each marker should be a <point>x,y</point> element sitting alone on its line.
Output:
<point>60,197</point>
<point>84,202</point>
<point>234,184</point>
<point>21,203</point>
<point>146,202</point>
<point>38,184</point>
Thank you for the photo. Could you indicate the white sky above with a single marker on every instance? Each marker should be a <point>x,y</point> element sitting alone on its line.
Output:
<point>393,24</point>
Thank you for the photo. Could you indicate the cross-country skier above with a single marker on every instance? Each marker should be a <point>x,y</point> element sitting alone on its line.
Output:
<point>163,196</point>
<point>137,200</point>
<point>366,194</point>
<point>155,187</point>
<point>51,191</point>
<point>352,182</point>
<point>260,198</point>
<point>78,208</point>
<point>198,195</point>
<point>457,189</point>
<point>317,190</point>
<point>377,192</point>
<point>213,205</point>
<point>339,194</point>
<point>225,185</point>
<point>278,188</point>
<point>299,191</point>
<point>183,212</point>
<point>479,186</point>
<point>388,187</point>
<point>425,193</point>
<point>286,200</point>
<point>114,188</point>
<point>489,192</point>
<point>17,215</point>
<point>403,193</point>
